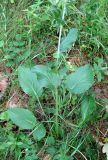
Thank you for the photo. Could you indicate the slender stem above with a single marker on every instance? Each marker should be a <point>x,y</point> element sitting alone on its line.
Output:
<point>60,31</point>
<point>38,101</point>
<point>57,112</point>
<point>58,56</point>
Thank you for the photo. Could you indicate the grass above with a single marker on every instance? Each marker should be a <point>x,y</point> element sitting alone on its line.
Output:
<point>30,33</point>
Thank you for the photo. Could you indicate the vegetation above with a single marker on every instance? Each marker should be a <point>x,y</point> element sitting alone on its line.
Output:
<point>54,55</point>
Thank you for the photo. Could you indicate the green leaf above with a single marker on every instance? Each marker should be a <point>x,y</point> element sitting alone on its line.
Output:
<point>42,74</point>
<point>54,80</point>
<point>28,81</point>
<point>22,118</point>
<point>41,69</point>
<point>18,37</point>
<point>50,78</point>
<point>88,106</point>
<point>39,132</point>
<point>66,44</point>
<point>25,55</point>
<point>19,44</point>
<point>81,80</point>
<point>1,44</point>
<point>12,1</point>
<point>50,140</point>
<point>52,151</point>
<point>4,116</point>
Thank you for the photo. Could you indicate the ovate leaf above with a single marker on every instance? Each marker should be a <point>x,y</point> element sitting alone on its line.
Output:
<point>81,80</point>
<point>88,106</point>
<point>69,40</point>
<point>29,82</point>
<point>39,132</point>
<point>22,118</point>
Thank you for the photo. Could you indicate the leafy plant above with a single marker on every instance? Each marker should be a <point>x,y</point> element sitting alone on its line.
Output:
<point>100,69</point>
<point>16,51</point>
<point>47,76</point>
<point>42,42</point>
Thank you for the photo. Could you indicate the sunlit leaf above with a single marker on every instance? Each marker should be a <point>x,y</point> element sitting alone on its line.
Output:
<point>81,80</point>
<point>69,40</point>
<point>29,82</point>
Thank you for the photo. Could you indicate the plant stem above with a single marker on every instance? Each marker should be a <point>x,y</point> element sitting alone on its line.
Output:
<point>60,31</point>
<point>57,113</point>
<point>58,56</point>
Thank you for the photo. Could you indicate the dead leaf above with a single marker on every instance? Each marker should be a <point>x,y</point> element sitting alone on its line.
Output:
<point>3,83</point>
<point>41,153</point>
<point>48,157</point>
<point>13,101</point>
<point>74,60</point>
<point>101,91</point>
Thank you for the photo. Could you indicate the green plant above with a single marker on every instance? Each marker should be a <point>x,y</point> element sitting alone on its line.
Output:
<point>100,68</point>
<point>41,44</point>
<point>20,143</point>
<point>17,51</point>
<point>35,79</point>
<point>26,120</point>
